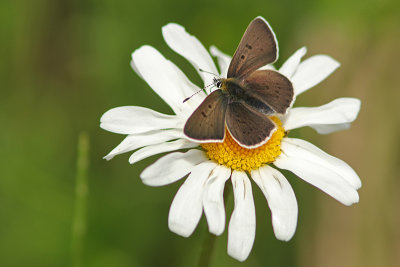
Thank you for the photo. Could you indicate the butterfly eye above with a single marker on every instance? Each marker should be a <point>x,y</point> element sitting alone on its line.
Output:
<point>219,84</point>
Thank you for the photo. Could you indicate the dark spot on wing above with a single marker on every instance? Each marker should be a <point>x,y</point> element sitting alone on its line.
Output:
<point>209,106</point>
<point>203,114</point>
<point>242,57</point>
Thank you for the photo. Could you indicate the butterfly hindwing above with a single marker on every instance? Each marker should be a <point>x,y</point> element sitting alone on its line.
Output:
<point>207,122</point>
<point>271,87</point>
<point>258,47</point>
<point>248,127</point>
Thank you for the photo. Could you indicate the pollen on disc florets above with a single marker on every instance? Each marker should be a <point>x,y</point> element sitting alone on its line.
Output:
<point>236,157</point>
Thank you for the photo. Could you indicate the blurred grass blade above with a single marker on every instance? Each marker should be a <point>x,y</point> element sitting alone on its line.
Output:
<point>81,192</point>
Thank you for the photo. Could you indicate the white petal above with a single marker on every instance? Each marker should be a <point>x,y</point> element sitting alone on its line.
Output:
<point>339,111</point>
<point>268,67</point>
<point>186,208</point>
<point>291,64</point>
<point>172,167</point>
<point>166,79</point>
<point>303,149</point>
<point>133,119</point>
<point>190,48</point>
<point>223,60</point>
<point>160,148</point>
<point>281,200</point>
<point>213,199</point>
<point>312,71</point>
<point>242,226</point>
<point>135,141</point>
<point>330,174</point>
<point>135,69</point>
<point>330,128</point>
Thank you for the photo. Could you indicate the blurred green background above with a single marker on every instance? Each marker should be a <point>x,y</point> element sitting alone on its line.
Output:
<point>64,63</point>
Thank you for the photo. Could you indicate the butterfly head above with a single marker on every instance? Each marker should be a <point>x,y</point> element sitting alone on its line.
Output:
<point>217,82</point>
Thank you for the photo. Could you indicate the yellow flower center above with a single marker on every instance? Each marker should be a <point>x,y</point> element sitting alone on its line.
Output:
<point>236,157</point>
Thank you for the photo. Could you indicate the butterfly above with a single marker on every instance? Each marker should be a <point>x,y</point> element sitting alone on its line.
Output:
<point>245,99</point>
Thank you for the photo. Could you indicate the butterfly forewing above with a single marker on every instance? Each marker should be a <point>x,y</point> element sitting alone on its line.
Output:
<point>248,127</point>
<point>257,48</point>
<point>207,123</point>
<point>271,87</point>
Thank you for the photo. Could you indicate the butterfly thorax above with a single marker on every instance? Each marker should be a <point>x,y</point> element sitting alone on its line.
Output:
<point>237,93</point>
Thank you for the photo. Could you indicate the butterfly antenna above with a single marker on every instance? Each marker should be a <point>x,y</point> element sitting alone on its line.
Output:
<point>186,99</point>
<point>213,84</point>
<point>209,72</point>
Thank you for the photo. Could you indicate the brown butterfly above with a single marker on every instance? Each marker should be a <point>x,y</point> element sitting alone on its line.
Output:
<point>245,99</point>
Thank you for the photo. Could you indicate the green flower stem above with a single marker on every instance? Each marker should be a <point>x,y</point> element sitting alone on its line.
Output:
<point>81,192</point>
<point>207,250</point>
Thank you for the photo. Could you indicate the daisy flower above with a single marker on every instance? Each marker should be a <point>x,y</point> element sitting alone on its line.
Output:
<point>208,166</point>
